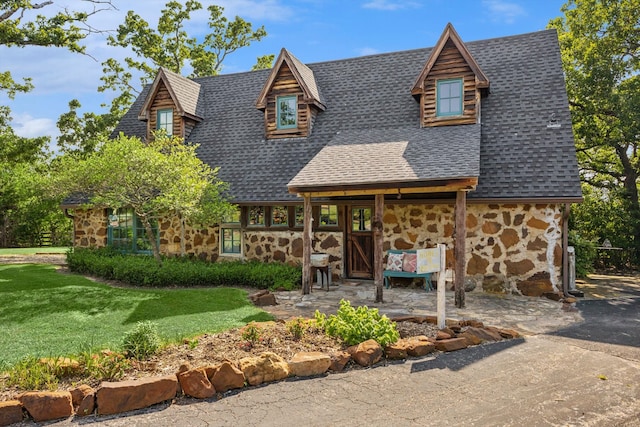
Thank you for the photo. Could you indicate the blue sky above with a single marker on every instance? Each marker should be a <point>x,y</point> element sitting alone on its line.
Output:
<point>313,30</point>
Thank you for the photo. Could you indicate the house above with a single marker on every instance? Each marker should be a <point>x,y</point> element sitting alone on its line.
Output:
<point>467,144</point>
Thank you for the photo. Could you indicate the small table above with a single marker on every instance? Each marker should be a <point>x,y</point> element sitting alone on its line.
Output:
<point>324,275</point>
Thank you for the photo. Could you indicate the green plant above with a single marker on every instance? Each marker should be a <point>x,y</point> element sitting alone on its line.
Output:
<point>32,374</point>
<point>585,251</point>
<point>298,327</point>
<point>251,333</point>
<point>105,365</point>
<point>355,325</point>
<point>142,341</point>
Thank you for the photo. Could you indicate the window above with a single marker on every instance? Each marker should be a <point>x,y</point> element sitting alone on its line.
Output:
<point>126,233</point>
<point>231,234</point>
<point>328,215</point>
<point>165,121</point>
<point>279,216</point>
<point>231,240</point>
<point>299,214</point>
<point>256,216</point>
<point>287,112</point>
<point>361,219</point>
<point>449,93</point>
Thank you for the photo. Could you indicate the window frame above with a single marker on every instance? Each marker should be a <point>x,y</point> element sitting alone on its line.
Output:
<point>163,112</point>
<point>318,214</point>
<point>284,211</point>
<point>280,126</point>
<point>439,84</point>
<point>137,232</point>
<point>234,224</point>
<point>262,224</point>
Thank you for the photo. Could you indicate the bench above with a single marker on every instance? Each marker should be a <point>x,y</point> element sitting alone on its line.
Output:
<point>387,274</point>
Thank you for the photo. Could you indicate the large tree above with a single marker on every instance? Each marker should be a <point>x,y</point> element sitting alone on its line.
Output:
<point>600,45</point>
<point>19,28</point>
<point>170,46</point>
<point>158,178</point>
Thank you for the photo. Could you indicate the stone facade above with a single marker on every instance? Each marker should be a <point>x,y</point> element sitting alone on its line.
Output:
<point>509,246</point>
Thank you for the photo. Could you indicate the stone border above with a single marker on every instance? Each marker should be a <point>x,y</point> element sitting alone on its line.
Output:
<point>204,382</point>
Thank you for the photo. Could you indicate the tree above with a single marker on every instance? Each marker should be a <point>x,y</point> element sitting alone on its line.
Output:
<point>65,29</point>
<point>600,45</point>
<point>158,178</point>
<point>171,47</point>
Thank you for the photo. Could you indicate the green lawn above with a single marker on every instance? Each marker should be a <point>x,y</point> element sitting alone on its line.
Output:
<point>31,251</point>
<point>44,313</point>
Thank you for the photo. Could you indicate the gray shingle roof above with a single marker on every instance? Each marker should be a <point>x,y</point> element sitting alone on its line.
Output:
<point>519,156</point>
<point>367,156</point>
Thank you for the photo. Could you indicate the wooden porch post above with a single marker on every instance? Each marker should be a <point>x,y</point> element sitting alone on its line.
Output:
<point>460,250</point>
<point>565,249</point>
<point>307,235</point>
<point>377,245</point>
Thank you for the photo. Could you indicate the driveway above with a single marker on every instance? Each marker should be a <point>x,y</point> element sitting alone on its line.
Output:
<point>586,374</point>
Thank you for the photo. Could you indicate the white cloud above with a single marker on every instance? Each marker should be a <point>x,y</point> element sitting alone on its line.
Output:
<point>367,51</point>
<point>258,11</point>
<point>27,126</point>
<point>390,5</point>
<point>501,10</point>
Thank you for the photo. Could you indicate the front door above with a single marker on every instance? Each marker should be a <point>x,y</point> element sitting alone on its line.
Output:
<point>359,242</point>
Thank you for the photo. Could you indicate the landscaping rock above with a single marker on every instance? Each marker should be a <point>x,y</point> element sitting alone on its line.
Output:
<point>83,399</point>
<point>477,336</point>
<point>339,360</point>
<point>123,396</point>
<point>264,368</point>
<point>263,298</point>
<point>366,353</point>
<point>419,346</point>
<point>195,383</point>
<point>307,364</point>
<point>535,288</point>
<point>10,412</point>
<point>509,333</point>
<point>225,377</point>
<point>445,335</point>
<point>47,405</point>
<point>452,344</point>
<point>397,350</point>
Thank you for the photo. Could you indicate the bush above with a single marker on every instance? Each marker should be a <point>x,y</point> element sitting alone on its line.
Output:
<point>142,270</point>
<point>356,325</point>
<point>586,253</point>
<point>142,342</point>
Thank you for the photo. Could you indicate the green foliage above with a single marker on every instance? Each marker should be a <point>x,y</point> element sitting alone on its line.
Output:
<point>169,46</point>
<point>298,327</point>
<point>251,333</point>
<point>105,365</point>
<point>143,341</point>
<point>356,325</point>
<point>31,374</point>
<point>600,47</point>
<point>140,270</point>
<point>585,253</point>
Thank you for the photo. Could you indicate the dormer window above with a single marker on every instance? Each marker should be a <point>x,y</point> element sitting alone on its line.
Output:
<point>287,111</point>
<point>165,121</point>
<point>449,93</point>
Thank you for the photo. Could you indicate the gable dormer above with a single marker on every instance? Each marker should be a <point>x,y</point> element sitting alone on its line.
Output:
<point>171,104</point>
<point>290,99</point>
<point>451,84</point>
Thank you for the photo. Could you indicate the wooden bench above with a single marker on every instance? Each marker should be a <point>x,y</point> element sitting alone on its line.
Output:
<point>387,274</point>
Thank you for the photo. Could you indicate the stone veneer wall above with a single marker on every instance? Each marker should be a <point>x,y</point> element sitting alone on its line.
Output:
<point>89,228</point>
<point>507,245</point>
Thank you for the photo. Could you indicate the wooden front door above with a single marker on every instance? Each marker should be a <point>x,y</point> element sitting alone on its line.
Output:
<point>359,242</point>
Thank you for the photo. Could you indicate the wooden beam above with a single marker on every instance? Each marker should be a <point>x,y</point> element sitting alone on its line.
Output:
<point>378,242</point>
<point>307,236</point>
<point>460,250</point>
<point>467,184</point>
<point>565,247</point>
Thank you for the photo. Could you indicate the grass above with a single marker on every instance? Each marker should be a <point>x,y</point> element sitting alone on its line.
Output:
<point>32,251</point>
<point>44,313</point>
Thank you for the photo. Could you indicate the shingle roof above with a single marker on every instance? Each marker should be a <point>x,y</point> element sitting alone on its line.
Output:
<point>520,157</point>
<point>185,92</point>
<point>367,156</point>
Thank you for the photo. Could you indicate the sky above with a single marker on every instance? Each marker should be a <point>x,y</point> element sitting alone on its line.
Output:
<point>313,30</point>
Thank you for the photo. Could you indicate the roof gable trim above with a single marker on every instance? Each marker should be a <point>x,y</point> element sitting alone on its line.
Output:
<point>449,33</point>
<point>303,75</point>
<point>162,77</point>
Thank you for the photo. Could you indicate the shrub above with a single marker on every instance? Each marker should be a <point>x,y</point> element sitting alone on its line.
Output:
<point>141,270</point>
<point>586,253</point>
<point>251,333</point>
<point>142,342</point>
<point>32,374</point>
<point>355,325</point>
<point>297,327</point>
<point>105,365</point>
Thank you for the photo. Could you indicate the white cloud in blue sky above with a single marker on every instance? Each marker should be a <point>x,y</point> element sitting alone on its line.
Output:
<point>390,5</point>
<point>505,11</point>
<point>367,51</point>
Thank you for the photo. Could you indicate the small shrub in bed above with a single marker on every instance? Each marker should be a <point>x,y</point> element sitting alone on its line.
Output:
<point>143,270</point>
<point>142,341</point>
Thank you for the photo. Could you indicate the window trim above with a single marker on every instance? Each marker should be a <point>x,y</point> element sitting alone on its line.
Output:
<point>441,82</point>
<point>136,233</point>
<point>285,209</point>
<point>264,216</point>
<point>232,227</point>
<point>318,214</point>
<point>278,112</point>
<point>160,113</point>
